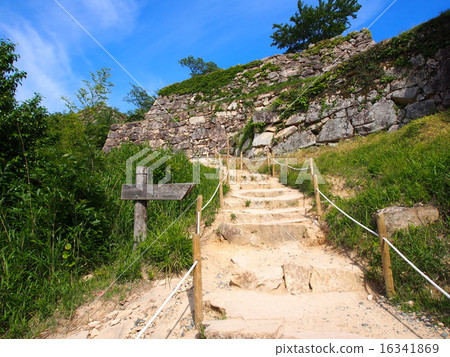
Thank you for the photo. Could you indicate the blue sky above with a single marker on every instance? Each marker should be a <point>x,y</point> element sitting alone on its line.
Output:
<point>148,37</point>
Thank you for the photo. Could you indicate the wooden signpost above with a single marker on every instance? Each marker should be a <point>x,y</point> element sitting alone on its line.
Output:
<point>141,192</point>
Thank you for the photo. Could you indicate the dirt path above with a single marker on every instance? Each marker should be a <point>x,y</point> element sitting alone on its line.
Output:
<point>266,274</point>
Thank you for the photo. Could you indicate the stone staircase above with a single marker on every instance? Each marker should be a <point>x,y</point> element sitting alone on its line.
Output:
<point>268,274</point>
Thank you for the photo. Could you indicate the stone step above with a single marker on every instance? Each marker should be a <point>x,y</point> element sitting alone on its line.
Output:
<point>284,201</point>
<point>267,329</point>
<point>296,278</point>
<point>254,185</point>
<point>259,314</point>
<point>248,177</point>
<point>268,233</point>
<point>280,215</point>
<point>262,192</point>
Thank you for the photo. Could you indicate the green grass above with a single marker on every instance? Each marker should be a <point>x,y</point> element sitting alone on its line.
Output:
<point>403,168</point>
<point>74,223</point>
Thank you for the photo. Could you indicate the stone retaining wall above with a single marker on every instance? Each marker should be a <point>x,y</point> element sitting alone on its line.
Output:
<point>190,122</point>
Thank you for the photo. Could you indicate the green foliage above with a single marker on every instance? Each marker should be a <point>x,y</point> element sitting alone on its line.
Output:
<point>140,98</point>
<point>92,109</point>
<point>313,24</point>
<point>404,168</point>
<point>61,216</point>
<point>209,84</point>
<point>95,94</point>
<point>198,66</point>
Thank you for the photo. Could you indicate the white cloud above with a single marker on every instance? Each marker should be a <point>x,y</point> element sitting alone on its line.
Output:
<point>46,62</point>
<point>109,14</point>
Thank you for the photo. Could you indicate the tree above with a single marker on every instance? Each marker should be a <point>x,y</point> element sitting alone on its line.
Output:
<point>313,24</point>
<point>22,125</point>
<point>95,94</point>
<point>198,66</point>
<point>93,110</point>
<point>139,97</point>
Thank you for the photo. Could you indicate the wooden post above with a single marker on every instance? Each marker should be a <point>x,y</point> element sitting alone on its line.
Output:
<point>240,162</point>
<point>198,295</point>
<point>273,167</point>
<point>268,162</point>
<point>317,195</point>
<point>220,188</point>
<point>140,207</point>
<point>385,257</point>
<point>228,161</point>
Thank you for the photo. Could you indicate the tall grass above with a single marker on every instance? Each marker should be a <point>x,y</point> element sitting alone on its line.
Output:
<point>407,167</point>
<point>69,221</point>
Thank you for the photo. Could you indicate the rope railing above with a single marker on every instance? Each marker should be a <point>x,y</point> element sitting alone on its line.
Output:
<point>348,216</point>
<point>390,244</point>
<point>155,315</point>
<point>291,167</point>
<point>447,295</point>
<point>215,192</point>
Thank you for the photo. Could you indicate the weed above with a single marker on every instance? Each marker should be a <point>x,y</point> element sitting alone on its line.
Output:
<point>247,203</point>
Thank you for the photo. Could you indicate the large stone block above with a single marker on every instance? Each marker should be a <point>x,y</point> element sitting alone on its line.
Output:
<point>296,119</point>
<point>335,130</point>
<point>396,217</point>
<point>405,96</point>
<point>197,120</point>
<point>286,132</point>
<point>266,279</point>
<point>420,109</point>
<point>297,278</point>
<point>262,139</point>
<point>265,117</point>
<point>381,115</point>
<point>296,141</point>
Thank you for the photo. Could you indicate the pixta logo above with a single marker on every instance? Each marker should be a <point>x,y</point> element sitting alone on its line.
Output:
<point>142,159</point>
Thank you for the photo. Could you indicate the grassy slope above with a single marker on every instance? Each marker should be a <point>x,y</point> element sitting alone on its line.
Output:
<point>404,168</point>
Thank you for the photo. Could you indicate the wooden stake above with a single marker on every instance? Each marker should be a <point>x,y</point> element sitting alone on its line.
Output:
<point>228,161</point>
<point>220,188</point>
<point>240,163</point>
<point>268,162</point>
<point>385,257</point>
<point>198,295</point>
<point>317,195</point>
<point>140,207</point>
<point>273,168</point>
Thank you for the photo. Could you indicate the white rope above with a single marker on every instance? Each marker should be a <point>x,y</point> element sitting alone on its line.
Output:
<point>345,214</point>
<point>217,189</point>
<point>293,168</point>
<point>166,301</point>
<point>206,205</point>
<point>392,246</point>
<point>417,269</point>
